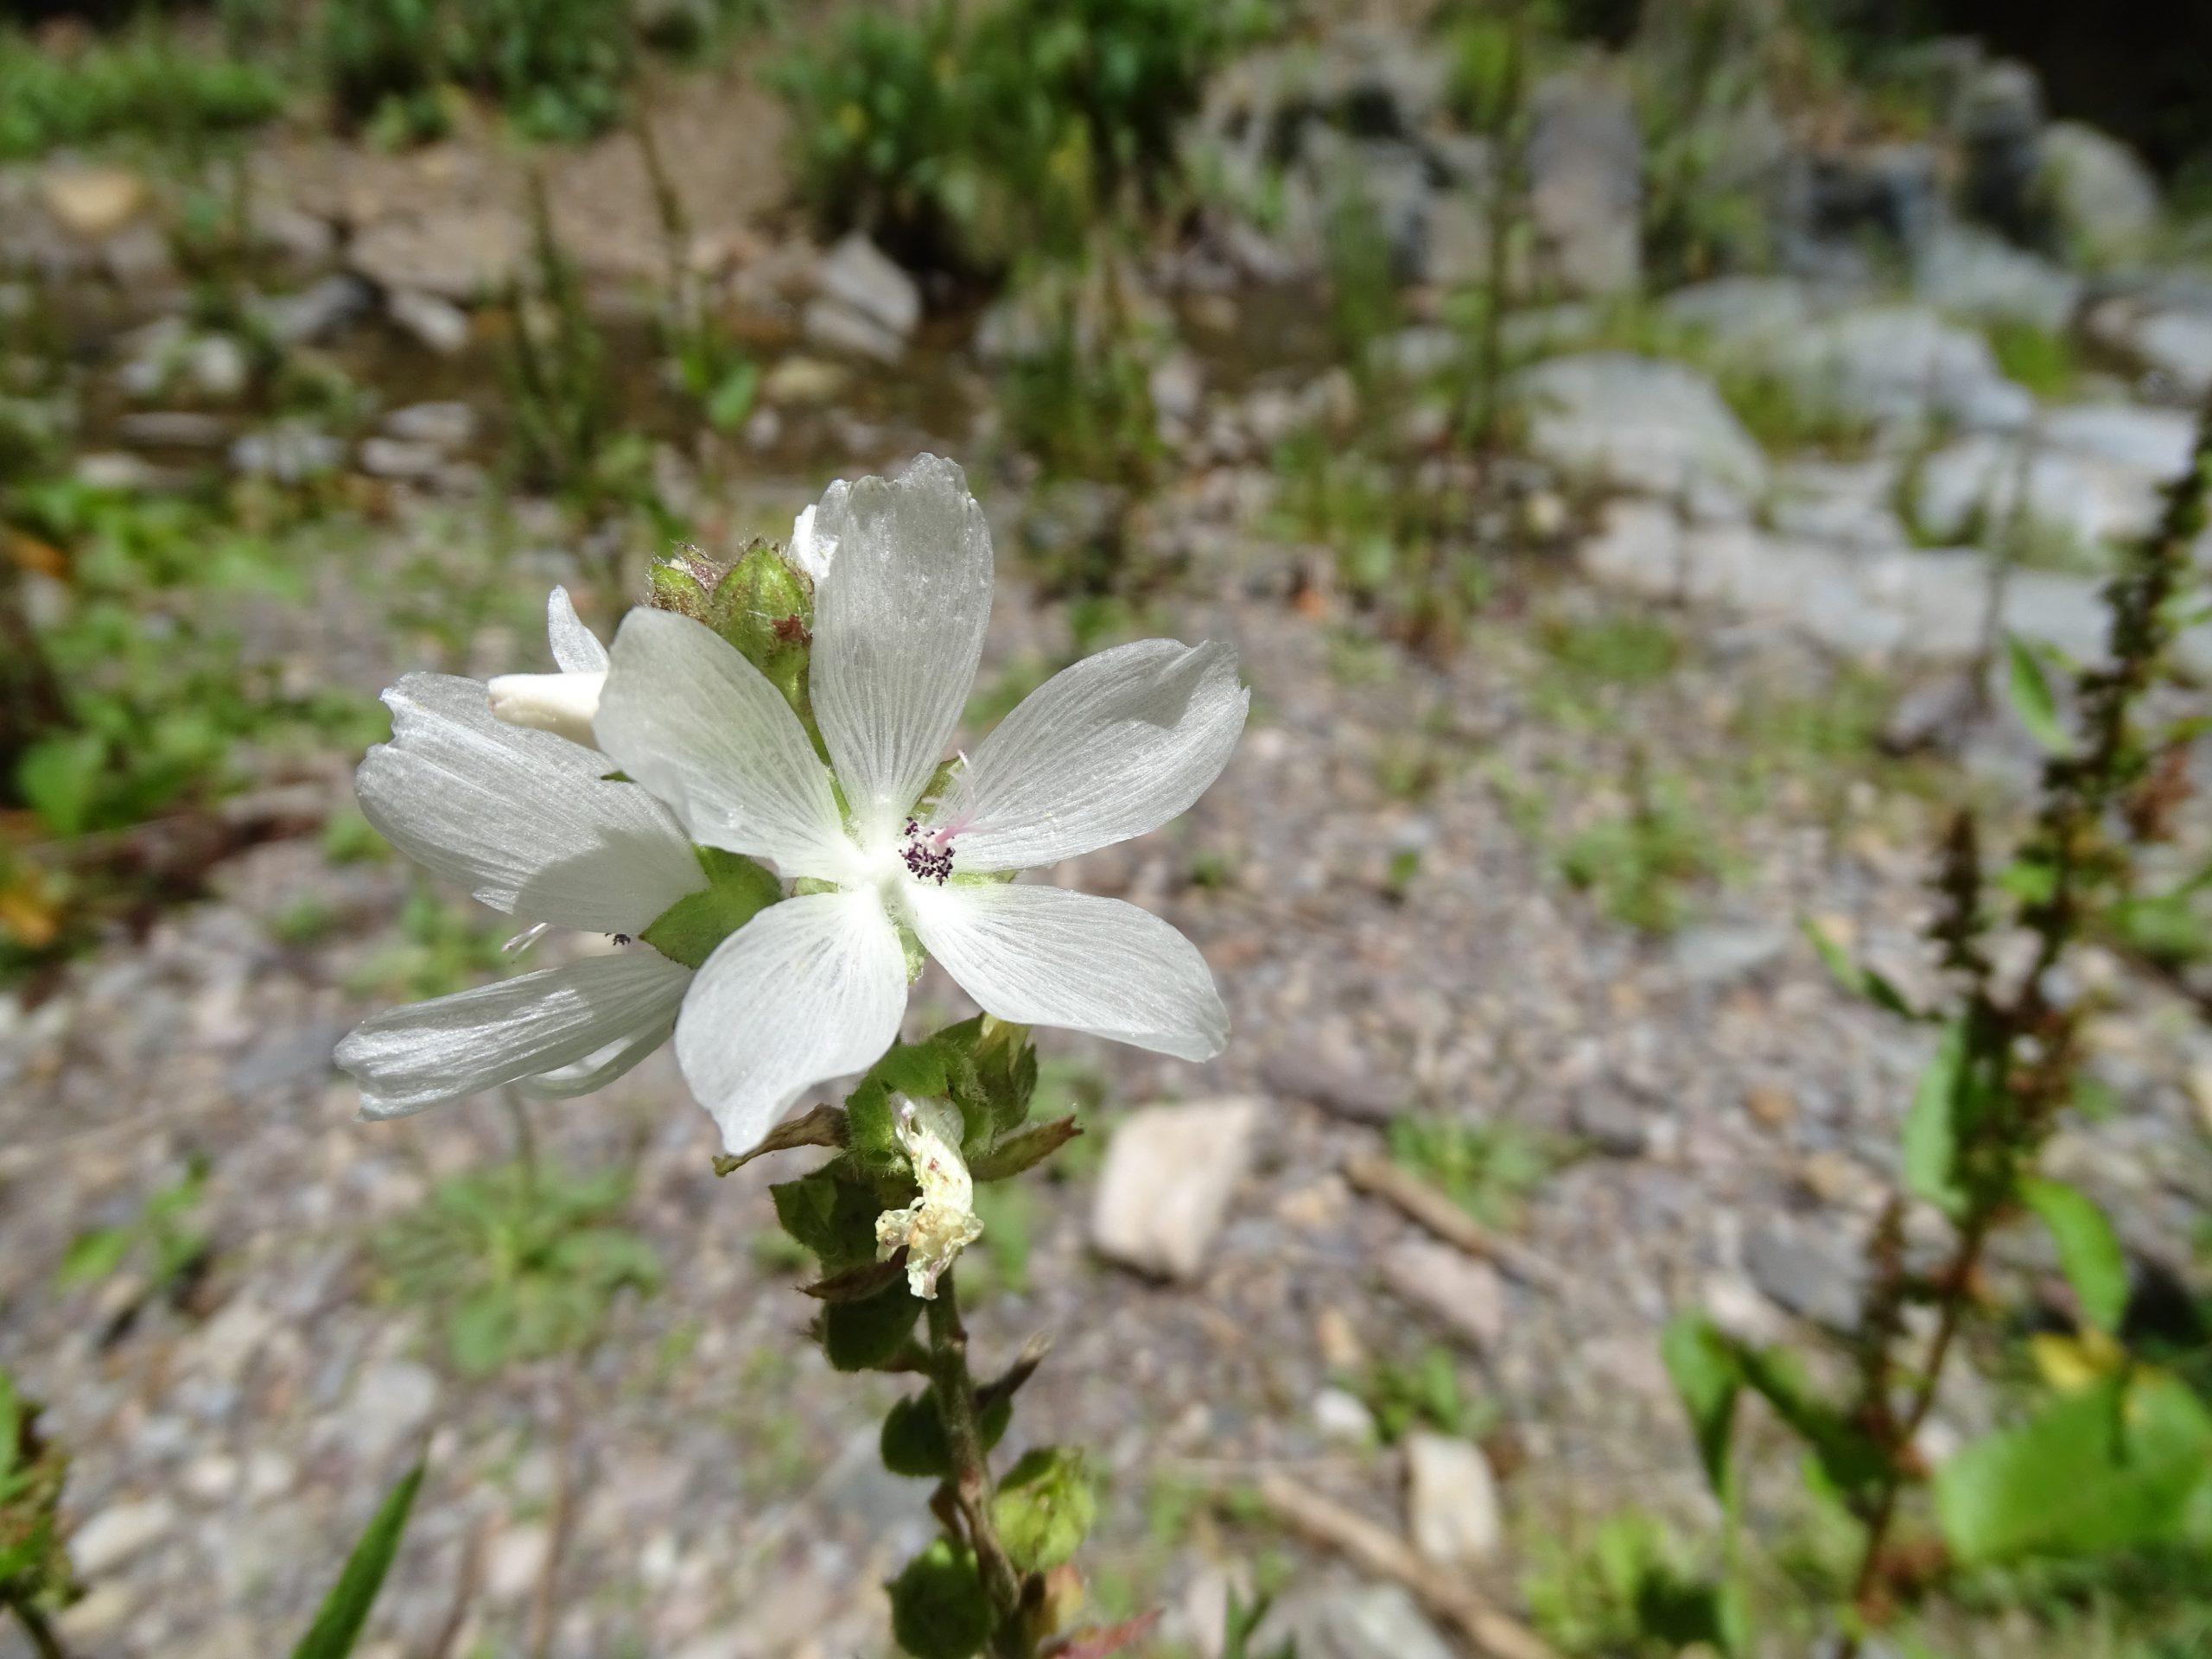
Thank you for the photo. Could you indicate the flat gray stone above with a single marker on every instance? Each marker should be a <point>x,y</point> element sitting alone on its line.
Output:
<point>1971,273</point>
<point>436,321</point>
<point>860,277</point>
<point>1375,1621</point>
<point>1169,1174</point>
<point>1585,183</point>
<point>1901,364</point>
<point>391,1406</point>
<point>2104,200</point>
<point>1639,423</point>
<point>1818,1274</point>
<point>832,326</point>
<point>444,425</point>
<point>118,1534</point>
<point>1466,1295</point>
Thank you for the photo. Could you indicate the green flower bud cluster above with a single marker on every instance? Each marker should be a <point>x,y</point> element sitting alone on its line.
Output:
<point>762,603</point>
<point>34,1573</point>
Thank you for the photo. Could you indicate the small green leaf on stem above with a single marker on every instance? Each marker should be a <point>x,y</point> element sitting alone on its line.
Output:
<point>2088,1252</point>
<point>1024,1149</point>
<point>914,1443</point>
<point>1854,976</point>
<point>1703,1365</point>
<point>863,1335</point>
<point>1931,1141</point>
<point>2029,687</point>
<point>938,1609</point>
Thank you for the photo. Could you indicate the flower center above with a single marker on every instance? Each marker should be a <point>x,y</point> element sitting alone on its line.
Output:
<point>927,854</point>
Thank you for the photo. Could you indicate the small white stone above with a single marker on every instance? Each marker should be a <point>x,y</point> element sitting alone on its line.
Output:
<point>515,1562</point>
<point>1164,1190</point>
<point>1452,1507</point>
<point>1341,1416</point>
<point>212,1479</point>
<point>114,1535</point>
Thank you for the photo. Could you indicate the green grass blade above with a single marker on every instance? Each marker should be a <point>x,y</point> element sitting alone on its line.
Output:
<point>344,1610</point>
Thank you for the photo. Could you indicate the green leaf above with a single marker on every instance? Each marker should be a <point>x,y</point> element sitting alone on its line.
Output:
<point>1855,976</point>
<point>2029,687</point>
<point>1931,1139</point>
<point>914,1443</point>
<point>1045,1508</point>
<point>732,400</point>
<point>1703,1364</point>
<point>862,1335</point>
<point>833,1216</point>
<point>344,1610</point>
<point>1024,1149</point>
<point>2111,1468</point>
<point>2087,1250</point>
<point>938,1609</point>
<point>94,1256</point>
<point>1848,1457</point>
<point>737,890</point>
<point>482,1331</point>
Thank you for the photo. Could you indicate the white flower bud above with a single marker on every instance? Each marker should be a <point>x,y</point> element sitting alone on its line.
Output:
<point>564,704</point>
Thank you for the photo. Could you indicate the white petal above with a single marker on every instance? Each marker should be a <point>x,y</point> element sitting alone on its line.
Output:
<point>700,727</point>
<point>898,628</point>
<point>522,819</point>
<point>601,1066</point>
<point>563,704</point>
<point>408,1059</point>
<point>575,647</point>
<point>1046,956</point>
<point>808,990</point>
<point>1113,747</point>
<point>813,546</point>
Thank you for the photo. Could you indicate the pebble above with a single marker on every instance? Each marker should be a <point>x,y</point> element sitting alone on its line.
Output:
<point>92,202</point>
<point>1452,1513</point>
<point>114,1535</point>
<point>439,324</point>
<point>1165,1189</point>
<point>392,1401</point>
<point>1372,1621</point>
<point>1818,1274</point>
<point>1465,1294</point>
<point>1343,1417</point>
<point>443,425</point>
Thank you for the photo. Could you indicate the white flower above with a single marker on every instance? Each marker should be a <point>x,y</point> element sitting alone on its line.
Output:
<point>941,1222</point>
<point>809,551</point>
<point>562,704</point>
<point>814,988</point>
<point>526,821</point>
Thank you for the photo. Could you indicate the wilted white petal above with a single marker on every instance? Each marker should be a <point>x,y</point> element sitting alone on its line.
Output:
<point>941,1222</point>
<point>520,818</point>
<point>1046,956</point>
<point>563,704</point>
<point>410,1058</point>
<point>1109,748</point>
<point>898,629</point>
<point>600,1067</point>
<point>701,728</point>
<point>575,647</point>
<point>809,989</point>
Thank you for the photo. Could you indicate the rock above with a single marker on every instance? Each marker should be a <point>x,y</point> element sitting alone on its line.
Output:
<point>1998,119</point>
<point>1729,308</point>
<point>1818,1274</point>
<point>2157,442</point>
<point>172,428</point>
<point>1585,183</point>
<point>1716,953</point>
<point>1771,1106</point>
<point>1931,714</point>
<point>289,453</point>
<point>92,202</point>
<point>1375,1621</point>
<point>1981,486</point>
<point>1343,1418</point>
<point>437,323</point>
<point>442,425</point>
<point>1452,1505</point>
<point>1390,179</point>
<point>1970,273</point>
<point>124,472</point>
<point>2102,200</point>
<point>1465,1294</point>
<point>391,1406</point>
<point>319,312</point>
<point>283,1059</point>
<point>830,325</point>
<point>1605,1116</point>
<point>395,459</point>
<point>1164,1190</point>
<point>1901,364</point>
<point>804,381</point>
<point>453,253</point>
<point>1638,422</point>
<point>860,277</point>
<point>216,367</point>
<point>1849,503</point>
<point>2171,339</point>
<point>116,1535</point>
<point>1343,1083</point>
<point>516,1561</point>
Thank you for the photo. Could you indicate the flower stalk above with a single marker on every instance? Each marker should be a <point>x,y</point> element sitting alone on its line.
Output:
<point>969,1483</point>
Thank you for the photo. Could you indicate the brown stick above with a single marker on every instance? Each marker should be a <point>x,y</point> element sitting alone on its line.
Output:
<point>1378,1550</point>
<point>1376,1175</point>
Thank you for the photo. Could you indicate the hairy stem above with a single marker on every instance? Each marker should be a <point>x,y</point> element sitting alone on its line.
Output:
<point>970,1484</point>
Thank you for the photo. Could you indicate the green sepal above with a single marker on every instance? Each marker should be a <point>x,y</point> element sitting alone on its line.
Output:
<point>917,1070</point>
<point>914,1443</point>
<point>938,1609</point>
<point>737,890</point>
<point>1045,1508</point>
<point>1024,1149</point>
<point>997,1078</point>
<point>833,1218</point>
<point>762,604</point>
<point>862,1335</point>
